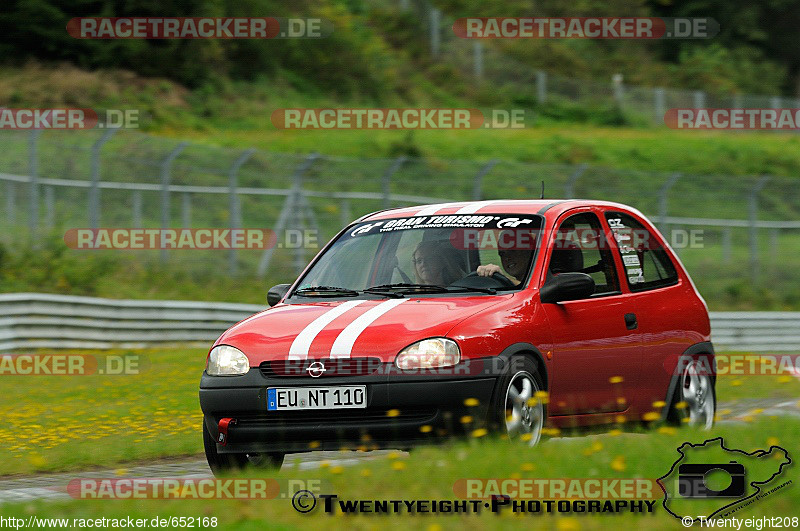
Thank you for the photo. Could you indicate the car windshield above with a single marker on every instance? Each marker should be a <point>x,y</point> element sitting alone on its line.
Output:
<point>426,254</point>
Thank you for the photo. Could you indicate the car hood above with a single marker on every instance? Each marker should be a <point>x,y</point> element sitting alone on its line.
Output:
<point>349,328</point>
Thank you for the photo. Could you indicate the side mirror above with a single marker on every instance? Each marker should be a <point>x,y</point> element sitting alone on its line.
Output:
<point>567,287</point>
<point>276,293</point>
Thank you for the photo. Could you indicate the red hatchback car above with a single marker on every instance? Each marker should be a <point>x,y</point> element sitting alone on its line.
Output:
<point>420,323</point>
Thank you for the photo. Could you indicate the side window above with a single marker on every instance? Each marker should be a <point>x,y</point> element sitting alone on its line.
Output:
<point>647,264</point>
<point>580,247</point>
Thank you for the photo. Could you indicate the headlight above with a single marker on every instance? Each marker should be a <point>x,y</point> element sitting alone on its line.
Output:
<point>226,360</point>
<point>429,353</point>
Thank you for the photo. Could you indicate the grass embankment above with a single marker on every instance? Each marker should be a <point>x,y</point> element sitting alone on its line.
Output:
<point>100,420</point>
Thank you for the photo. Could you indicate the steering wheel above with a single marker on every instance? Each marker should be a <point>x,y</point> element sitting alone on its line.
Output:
<point>496,280</point>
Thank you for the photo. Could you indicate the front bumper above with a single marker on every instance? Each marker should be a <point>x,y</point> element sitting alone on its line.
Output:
<point>402,410</point>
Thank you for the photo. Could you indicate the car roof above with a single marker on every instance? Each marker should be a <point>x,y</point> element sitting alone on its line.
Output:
<point>547,207</point>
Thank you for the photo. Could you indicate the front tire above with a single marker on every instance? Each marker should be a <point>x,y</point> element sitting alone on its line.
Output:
<point>518,409</point>
<point>222,463</point>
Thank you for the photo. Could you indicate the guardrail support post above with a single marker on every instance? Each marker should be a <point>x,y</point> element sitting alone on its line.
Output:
<point>659,102</point>
<point>753,212</point>
<point>235,206</point>
<point>477,53</point>
<point>166,167</point>
<point>94,190</point>
<point>186,210</point>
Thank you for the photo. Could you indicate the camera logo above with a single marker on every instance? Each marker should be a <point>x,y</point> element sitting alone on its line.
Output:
<point>710,480</point>
<point>693,480</point>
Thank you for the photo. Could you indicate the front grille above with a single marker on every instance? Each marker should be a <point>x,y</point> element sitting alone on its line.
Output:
<point>333,367</point>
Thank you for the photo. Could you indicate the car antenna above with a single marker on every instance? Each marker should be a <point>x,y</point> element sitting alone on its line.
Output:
<point>542,196</point>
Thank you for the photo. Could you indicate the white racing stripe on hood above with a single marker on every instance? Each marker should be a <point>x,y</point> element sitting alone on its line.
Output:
<point>343,346</point>
<point>302,343</point>
<point>433,209</point>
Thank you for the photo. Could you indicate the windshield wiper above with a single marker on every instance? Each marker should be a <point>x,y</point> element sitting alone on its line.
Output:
<point>430,288</point>
<point>325,291</point>
<point>465,289</point>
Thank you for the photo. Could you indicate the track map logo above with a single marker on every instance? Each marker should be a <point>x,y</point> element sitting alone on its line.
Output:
<point>711,481</point>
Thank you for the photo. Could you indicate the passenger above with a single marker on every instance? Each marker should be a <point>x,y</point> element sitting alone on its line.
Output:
<point>437,263</point>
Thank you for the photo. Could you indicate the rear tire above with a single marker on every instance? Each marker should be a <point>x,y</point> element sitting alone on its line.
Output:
<point>222,463</point>
<point>697,396</point>
<point>517,410</point>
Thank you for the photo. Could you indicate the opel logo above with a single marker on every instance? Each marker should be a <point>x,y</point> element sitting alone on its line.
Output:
<point>316,369</point>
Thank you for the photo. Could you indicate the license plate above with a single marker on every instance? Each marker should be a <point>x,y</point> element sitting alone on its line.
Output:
<point>305,398</point>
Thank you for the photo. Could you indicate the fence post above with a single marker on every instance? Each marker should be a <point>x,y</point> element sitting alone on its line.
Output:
<point>434,20</point>
<point>345,214</point>
<point>774,247</point>
<point>569,186</point>
<point>186,210</point>
<point>775,102</point>
<point>699,99</point>
<point>477,187</point>
<point>619,89</point>
<point>94,191</point>
<point>660,102</point>
<point>386,180</point>
<point>166,166</point>
<point>541,86</point>
<point>11,202</point>
<point>49,207</point>
<point>235,206</point>
<point>477,51</point>
<point>753,211</point>
<point>727,244</point>
<point>291,209</point>
<point>137,208</point>
<point>663,206</point>
<point>33,172</point>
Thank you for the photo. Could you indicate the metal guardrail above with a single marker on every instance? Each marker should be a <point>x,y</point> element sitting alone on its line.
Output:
<point>43,321</point>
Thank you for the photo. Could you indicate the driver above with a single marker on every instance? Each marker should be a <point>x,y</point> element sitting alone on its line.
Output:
<point>437,263</point>
<point>515,257</point>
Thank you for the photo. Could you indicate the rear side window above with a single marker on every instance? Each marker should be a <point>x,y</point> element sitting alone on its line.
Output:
<point>647,264</point>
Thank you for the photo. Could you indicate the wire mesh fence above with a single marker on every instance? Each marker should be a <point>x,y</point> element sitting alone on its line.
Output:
<point>740,229</point>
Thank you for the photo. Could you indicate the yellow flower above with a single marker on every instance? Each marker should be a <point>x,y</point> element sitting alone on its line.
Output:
<point>393,413</point>
<point>337,469</point>
<point>618,464</point>
<point>667,430</point>
<point>615,432</point>
<point>659,404</point>
<point>398,465</point>
<point>466,419</point>
<point>471,402</point>
<point>527,467</point>
<point>651,416</point>
<point>426,428</point>
<point>366,472</point>
<point>479,432</point>
<point>772,441</point>
<point>615,379</point>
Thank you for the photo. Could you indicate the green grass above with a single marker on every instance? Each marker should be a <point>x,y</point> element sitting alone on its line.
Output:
<point>74,422</point>
<point>430,473</point>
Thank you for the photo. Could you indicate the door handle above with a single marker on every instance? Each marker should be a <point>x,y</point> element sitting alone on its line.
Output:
<point>630,321</point>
